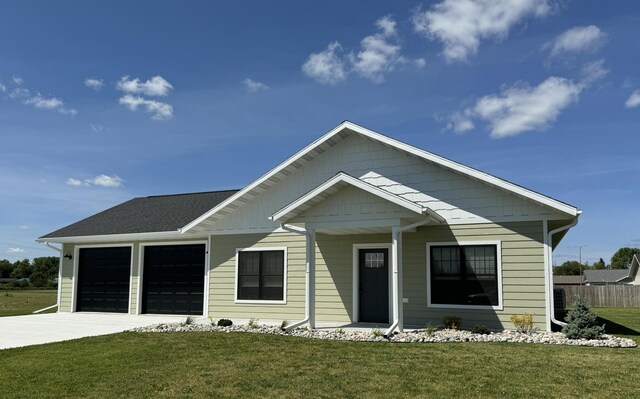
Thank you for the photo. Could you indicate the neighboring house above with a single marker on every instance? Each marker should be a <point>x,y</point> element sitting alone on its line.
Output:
<point>354,228</point>
<point>614,276</point>
<point>568,280</point>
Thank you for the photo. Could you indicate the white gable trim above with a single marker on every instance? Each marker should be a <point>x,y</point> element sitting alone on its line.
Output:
<point>345,179</point>
<point>438,160</point>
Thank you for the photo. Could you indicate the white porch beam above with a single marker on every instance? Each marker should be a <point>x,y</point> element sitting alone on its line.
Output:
<point>311,277</point>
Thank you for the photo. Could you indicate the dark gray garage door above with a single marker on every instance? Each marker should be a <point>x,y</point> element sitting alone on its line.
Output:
<point>173,279</point>
<point>103,279</point>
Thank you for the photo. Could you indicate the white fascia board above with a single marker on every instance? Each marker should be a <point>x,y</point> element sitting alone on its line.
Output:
<point>466,170</point>
<point>345,178</point>
<point>163,235</point>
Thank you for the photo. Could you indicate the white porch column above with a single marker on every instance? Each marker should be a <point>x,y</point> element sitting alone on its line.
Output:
<point>311,277</point>
<point>397,289</point>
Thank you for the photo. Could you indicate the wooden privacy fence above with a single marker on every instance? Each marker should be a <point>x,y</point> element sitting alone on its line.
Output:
<point>623,296</point>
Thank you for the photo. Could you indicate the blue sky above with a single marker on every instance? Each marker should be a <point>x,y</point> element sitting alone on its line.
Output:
<point>104,101</point>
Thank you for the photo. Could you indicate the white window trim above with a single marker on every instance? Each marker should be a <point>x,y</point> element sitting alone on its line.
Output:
<point>284,277</point>
<point>356,278</point>
<point>205,305</point>
<point>498,245</point>
<point>76,265</point>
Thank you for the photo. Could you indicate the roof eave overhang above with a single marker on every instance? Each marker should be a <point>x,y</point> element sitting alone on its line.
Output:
<point>161,235</point>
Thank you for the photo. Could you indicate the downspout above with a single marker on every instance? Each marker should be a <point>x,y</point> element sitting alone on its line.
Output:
<point>309,274</point>
<point>60,257</point>
<point>549,259</point>
<point>396,248</point>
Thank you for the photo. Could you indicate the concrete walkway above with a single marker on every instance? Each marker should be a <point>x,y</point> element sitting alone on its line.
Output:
<point>16,331</point>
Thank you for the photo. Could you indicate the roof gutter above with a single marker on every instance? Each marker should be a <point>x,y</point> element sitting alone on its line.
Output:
<point>549,262</point>
<point>60,258</point>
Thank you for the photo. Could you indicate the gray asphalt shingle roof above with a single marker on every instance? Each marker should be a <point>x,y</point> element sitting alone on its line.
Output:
<point>605,276</point>
<point>146,215</point>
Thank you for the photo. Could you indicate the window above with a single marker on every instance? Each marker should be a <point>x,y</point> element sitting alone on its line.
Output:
<point>260,275</point>
<point>464,275</point>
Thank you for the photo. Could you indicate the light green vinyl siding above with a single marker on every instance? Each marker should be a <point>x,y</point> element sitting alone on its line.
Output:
<point>66,289</point>
<point>522,274</point>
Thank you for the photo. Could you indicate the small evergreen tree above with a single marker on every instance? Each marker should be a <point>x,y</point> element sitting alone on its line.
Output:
<point>581,322</point>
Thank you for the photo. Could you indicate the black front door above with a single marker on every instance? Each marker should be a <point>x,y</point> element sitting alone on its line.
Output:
<point>173,279</point>
<point>373,267</point>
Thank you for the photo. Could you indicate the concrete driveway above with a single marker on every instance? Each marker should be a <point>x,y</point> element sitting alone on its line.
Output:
<point>16,331</point>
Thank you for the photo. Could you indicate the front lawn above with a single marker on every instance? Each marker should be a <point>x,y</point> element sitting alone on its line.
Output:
<point>205,365</point>
<point>622,322</point>
<point>19,302</point>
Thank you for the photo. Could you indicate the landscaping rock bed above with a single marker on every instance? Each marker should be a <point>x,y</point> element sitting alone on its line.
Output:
<point>548,338</point>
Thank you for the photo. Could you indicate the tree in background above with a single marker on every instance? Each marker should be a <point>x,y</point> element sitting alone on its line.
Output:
<point>6,268</point>
<point>623,257</point>
<point>599,265</point>
<point>21,269</point>
<point>569,268</point>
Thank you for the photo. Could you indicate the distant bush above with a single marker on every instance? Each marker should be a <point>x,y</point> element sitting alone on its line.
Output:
<point>523,323</point>
<point>224,323</point>
<point>480,329</point>
<point>253,323</point>
<point>581,322</point>
<point>284,324</point>
<point>451,322</point>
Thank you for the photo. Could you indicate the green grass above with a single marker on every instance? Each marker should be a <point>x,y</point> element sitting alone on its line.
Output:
<point>204,365</point>
<point>19,302</point>
<point>622,322</point>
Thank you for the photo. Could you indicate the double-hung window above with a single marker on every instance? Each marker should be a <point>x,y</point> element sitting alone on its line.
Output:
<point>464,275</point>
<point>260,275</point>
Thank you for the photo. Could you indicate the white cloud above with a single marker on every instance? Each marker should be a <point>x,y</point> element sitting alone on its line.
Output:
<point>23,227</point>
<point>521,108</point>
<point>326,66</point>
<point>93,83</point>
<point>52,104</point>
<point>17,80</point>
<point>577,40</point>
<point>107,181</point>
<point>75,182</point>
<point>160,110</point>
<point>19,92</point>
<point>100,180</point>
<point>97,128</point>
<point>156,86</point>
<point>460,123</point>
<point>254,86</point>
<point>15,250</point>
<point>379,53</point>
<point>420,63</point>
<point>633,100</point>
<point>460,25</point>
<point>593,71</point>
<point>3,88</point>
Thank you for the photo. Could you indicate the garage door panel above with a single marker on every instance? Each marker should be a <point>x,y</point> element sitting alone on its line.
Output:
<point>103,279</point>
<point>173,279</point>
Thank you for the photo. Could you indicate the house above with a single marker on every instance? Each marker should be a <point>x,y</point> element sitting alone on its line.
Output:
<point>614,276</point>
<point>568,280</point>
<point>354,228</point>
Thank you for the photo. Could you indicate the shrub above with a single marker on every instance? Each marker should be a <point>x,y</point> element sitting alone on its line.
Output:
<point>581,322</point>
<point>188,321</point>
<point>451,322</point>
<point>480,329</point>
<point>284,325</point>
<point>430,328</point>
<point>523,323</point>
<point>340,331</point>
<point>253,323</point>
<point>224,323</point>
<point>377,332</point>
